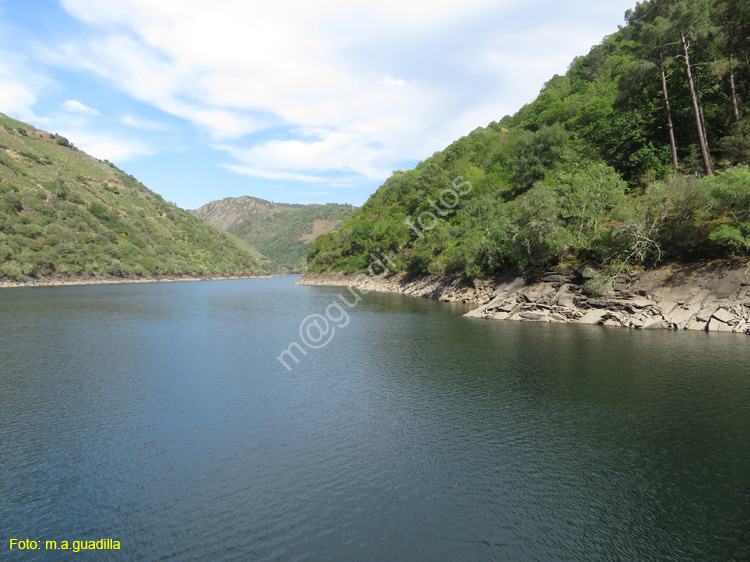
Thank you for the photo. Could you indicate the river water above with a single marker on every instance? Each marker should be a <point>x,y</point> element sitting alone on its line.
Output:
<point>160,416</point>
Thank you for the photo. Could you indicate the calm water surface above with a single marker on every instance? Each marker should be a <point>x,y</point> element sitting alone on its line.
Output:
<point>159,416</point>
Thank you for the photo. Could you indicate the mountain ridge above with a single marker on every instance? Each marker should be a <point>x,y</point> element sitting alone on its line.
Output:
<point>280,231</point>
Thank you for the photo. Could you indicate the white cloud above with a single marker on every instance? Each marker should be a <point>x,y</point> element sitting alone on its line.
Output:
<point>73,106</point>
<point>247,171</point>
<point>388,80</point>
<point>109,148</point>
<point>18,86</point>
<point>355,87</point>
<point>14,97</point>
<point>145,124</point>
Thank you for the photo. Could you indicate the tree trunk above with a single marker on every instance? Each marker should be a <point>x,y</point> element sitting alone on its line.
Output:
<point>735,103</point>
<point>702,138</point>
<point>670,124</point>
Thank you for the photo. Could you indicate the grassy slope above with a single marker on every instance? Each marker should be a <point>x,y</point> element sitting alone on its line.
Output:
<point>65,213</point>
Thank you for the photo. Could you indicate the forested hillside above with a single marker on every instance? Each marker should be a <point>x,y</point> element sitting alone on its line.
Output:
<point>638,155</point>
<point>280,231</point>
<point>64,213</point>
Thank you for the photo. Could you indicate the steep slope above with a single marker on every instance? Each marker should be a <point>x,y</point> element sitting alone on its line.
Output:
<point>64,213</point>
<point>612,164</point>
<point>280,231</point>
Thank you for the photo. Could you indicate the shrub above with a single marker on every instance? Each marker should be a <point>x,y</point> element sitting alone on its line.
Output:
<point>98,210</point>
<point>729,196</point>
<point>115,268</point>
<point>12,271</point>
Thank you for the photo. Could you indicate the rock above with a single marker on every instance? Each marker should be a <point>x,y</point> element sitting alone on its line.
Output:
<point>703,315</point>
<point>593,316</point>
<point>564,297</point>
<point>681,316</point>
<point>640,302</point>
<point>723,315</point>
<point>696,326</point>
<point>717,326</point>
<point>728,284</point>
<point>673,296</point>
<point>535,316</point>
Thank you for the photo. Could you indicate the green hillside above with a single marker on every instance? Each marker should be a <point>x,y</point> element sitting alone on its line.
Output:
<point>636,156</point>
<point>281,232</point>
<point>64,213</point>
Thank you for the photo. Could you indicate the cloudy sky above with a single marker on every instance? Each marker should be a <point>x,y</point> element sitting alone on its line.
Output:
<point>292,101</point>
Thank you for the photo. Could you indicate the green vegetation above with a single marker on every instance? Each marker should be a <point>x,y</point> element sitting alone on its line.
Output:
<point>63,213</point>
<point>637,155</point>
<point>281,232</point>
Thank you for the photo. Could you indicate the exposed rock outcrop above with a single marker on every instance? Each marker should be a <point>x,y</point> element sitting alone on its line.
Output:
<point>445,288</point>
<point>709,297</point>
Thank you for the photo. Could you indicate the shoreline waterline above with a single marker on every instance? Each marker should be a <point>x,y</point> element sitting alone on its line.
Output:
<point>111,280</point>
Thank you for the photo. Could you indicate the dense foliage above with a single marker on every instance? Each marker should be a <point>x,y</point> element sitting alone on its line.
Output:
<point>636,155</point>
<point>65,213</point>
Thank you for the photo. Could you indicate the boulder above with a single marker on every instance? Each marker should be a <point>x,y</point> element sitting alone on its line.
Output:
<point>715,325</point>
<point>723,315</point>
<point>595,316</point>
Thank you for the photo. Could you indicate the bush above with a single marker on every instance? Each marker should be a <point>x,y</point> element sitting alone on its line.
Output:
<point>12,271</point>
<point>115,268</point>
<point>99,210</point>
<point>729,196</point>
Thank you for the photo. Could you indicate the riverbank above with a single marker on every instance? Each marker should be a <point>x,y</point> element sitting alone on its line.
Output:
<point>113,280</point>
<point>706,297</point>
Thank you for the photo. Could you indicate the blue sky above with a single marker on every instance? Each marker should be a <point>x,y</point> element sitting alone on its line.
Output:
<point>290,101</point>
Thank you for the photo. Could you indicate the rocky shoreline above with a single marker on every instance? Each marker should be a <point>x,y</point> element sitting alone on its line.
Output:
<point>712,297</point>
<point>112,280</point>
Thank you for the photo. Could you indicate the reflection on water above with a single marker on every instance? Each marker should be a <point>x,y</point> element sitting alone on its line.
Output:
<point>158,415</point>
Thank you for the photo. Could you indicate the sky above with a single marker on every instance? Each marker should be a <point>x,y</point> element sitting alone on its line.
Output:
<point>291,101</point>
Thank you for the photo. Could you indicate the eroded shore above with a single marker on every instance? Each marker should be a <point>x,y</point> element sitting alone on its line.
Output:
<point>113,280</point>
<point>707,297</point>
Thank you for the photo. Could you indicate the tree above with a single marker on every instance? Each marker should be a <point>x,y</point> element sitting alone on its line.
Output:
<point>650,33</point>
<point>680,23</point>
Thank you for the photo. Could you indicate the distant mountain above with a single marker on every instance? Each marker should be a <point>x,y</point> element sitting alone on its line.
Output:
<point>64,213</point>
<point>281,232</point>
